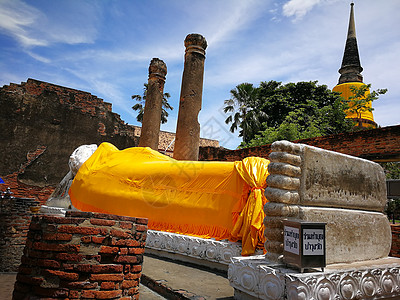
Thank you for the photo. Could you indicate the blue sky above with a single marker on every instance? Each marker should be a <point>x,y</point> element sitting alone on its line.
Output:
<point>105,47</point>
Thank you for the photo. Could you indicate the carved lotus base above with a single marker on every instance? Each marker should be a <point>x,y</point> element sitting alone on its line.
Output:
<point>215,254</point>
<point>256,278</point>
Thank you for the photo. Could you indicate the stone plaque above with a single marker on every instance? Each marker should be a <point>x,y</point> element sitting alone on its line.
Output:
<point>292,239</point>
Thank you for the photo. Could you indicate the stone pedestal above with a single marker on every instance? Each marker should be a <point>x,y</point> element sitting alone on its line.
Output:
<point>188,128</point>
<point>153,106</point>
<point>257,278</point>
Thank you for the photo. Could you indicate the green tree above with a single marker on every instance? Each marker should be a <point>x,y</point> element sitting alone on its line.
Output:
<point>392,169</point>
<point>305,122</point>
<point>296,111</point>
<point>142,101</point>
<point>359,101</point>
<point>244,109</point>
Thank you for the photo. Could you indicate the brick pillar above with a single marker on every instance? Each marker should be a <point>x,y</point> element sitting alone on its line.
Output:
<point>188,128</point>
<point>153,106</point>
<point>82,256</point>
<point>395,249</point>
<point>15,216</point>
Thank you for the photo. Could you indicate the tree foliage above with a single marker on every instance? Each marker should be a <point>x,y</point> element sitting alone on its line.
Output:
<point>139,107</point>
<point>285,111</point>
<point>392,169</point>
<point>245,114</point>
<point>359,101</point>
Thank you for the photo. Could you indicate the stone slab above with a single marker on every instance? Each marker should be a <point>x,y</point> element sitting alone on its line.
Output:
<point>338,180</point>
<point>310,176</point>
<point>351,235</point>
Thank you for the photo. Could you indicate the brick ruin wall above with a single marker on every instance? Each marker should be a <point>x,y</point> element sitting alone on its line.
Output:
<point>381,144</point>
<point>42,124</point>
<point>15,216</point>
<point>82,256</point>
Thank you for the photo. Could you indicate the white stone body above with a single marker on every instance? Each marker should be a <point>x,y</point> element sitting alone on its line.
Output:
<point>60,197</point>
<point>79,156</point>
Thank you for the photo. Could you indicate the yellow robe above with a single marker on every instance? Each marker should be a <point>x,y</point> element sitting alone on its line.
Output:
<point>221,200</point>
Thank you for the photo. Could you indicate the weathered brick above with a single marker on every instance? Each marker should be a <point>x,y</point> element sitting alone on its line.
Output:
<point>133,291</point>
<point>62,275</point>
<point>57,236</point>
<point>101,294</point>
<point>128,243</point>
<point>143,221</point>
<point>136,250</point>
<point>48,263</point>
<point>107,268</point>
<point>74,257</point>
<point>74,294</point>
<point>136,268</point>
<point>79,229</point>
<point>98,239</point>
<point>25,270</point>
<point>120,233</point>
<point>51,292</point>
<point>125,225</point>
<point>109,250</point>
<point>84,285</point>
<point>107,277</point>
<point>127,259</point>
<point>126,284</point>
<point>102,222</point>
<point>61,220</point>
<point>108,285</point>
<point>55,247</point>
<point>141,227</point>
<point>132,276</point>
<point>32,280</point>
<point>123,251</point>
<point>86,239</point>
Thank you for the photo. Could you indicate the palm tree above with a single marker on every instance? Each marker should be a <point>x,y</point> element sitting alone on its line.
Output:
<point>246,111</point>
<point>142,101</point>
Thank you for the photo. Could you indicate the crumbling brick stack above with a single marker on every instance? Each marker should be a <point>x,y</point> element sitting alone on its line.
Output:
<point>15,216</point>
<point>82,256</point>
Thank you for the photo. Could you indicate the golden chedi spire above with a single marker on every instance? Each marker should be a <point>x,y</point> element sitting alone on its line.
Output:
<point>350,73</point>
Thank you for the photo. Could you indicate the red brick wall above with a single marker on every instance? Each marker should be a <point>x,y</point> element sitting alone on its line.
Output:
<point>83,255</point>
<point>42,124</point>
<point>381,144</point>
<point>15,217</point>
<point>395,251</point>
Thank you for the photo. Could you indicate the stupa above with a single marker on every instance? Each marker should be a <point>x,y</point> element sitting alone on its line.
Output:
<point>350,74</point>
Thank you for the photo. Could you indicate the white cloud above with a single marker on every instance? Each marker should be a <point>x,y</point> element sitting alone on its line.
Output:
<point>31,27</point>
<point>15,19</point>
<point>298,8</point>
<point>229,19</point>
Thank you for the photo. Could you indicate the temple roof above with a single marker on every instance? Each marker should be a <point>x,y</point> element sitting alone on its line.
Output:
<point>351,66</point>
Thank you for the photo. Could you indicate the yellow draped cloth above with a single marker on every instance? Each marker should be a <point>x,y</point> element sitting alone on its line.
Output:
<point>221,200</point>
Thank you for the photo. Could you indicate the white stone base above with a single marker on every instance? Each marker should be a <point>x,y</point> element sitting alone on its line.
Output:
<point>209,252</point>
<point>256,278</point>
<point>50,210</point>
